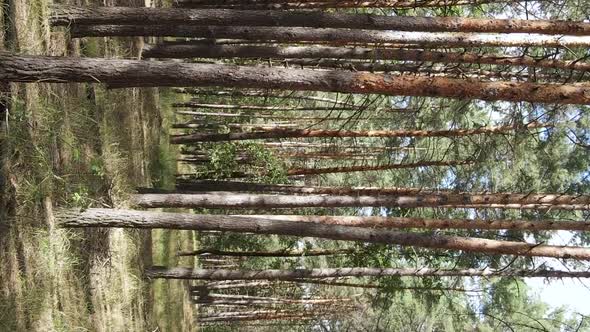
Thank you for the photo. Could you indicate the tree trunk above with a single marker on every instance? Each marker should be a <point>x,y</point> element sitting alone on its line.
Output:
<point>332,156</point>
<point>209,185</point>
<point>265,94</point>
<point>210,286</point>
<point>326,52</point>
<point>244,224</point>
<point>478,200</point>
<point>261,107</point>
<point>350,169</point>
<point>271,300</point>
<point>278,253</point>
<point>149,73</point>
<point>332,36</point>
<point>286,4</point>
<point>200,274</point>
<point>415,70</point>
<point>256,315</point>
<point>218,200</point>
<point>277,133</point>
<point>277,117</point>
<point>428,223</point>
<point>73,15</point>
<point>335,147</point>
<point>375,286</point>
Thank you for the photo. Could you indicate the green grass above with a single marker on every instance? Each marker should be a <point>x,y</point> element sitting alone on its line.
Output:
<point>76,145</point>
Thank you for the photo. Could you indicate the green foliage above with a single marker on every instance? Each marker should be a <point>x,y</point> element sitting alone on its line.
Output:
<point>253,159</point>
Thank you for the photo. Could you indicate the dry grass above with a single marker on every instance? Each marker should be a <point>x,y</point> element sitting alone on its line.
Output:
<point>77,145</point>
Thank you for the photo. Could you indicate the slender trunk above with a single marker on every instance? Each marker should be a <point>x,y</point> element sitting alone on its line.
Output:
<point>265,201</point>
<point>277,133</point>
<point>279,117</point>
<point>264,94</point>
<point>271,300</point>
<point>428,71</point>
<point>326,52</point>
<point>206,185</point>
<point>350,169</point>
<point>530,206</point>
<point>335,147</point>
<point>215,318</point>
<point>244,224</point>
<point>333,36</point>
<point>290,4</point>
<point>278,253</point>
<point>200,274</point>
<point>429,223</point>
<point>239,126</point>
<point>375,286</point>
<point>332,156</point>
<point>73,15</point>
<point>261,107</point>
<point>150,73</point>
<point>210,286</point>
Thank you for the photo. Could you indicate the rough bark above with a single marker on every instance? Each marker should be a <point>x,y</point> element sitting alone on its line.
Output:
<point>200,274</point>
<point>425,199</point>
<point>149,73</point>
<point>73,15</point>
<point>350,169</point>
<point>278,253</point>
<point>285,4</point>
<point>429,223</point>
<point>277,133</point>
<point>244,224</point>
<point>333,36</point>
<point>326,52</point>
<point>219,200</point>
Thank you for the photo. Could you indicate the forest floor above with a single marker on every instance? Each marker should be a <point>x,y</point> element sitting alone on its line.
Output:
<point>79,146</point>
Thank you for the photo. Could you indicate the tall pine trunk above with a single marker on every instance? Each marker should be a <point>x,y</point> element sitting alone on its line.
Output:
<point>245,224</point>
<point>278,133</point>
<point>148,73</point>
<point>321,4</point>
<point>351,169</point>
<point>201,274</point>
<point>180,50</point>
<point>332,36</point>
<point>73,15</point>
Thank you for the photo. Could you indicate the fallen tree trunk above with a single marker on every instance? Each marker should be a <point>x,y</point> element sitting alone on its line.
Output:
<point>149,220</point>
